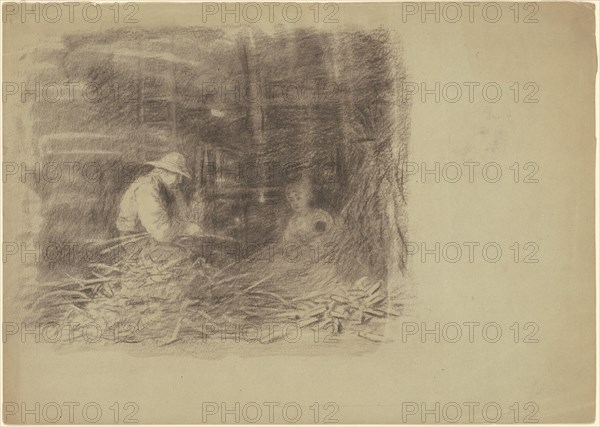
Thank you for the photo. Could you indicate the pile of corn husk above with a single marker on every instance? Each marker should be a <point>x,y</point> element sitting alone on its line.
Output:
<point>139,298</point>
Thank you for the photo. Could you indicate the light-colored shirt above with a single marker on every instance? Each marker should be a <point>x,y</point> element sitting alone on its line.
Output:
<point>149,206</point>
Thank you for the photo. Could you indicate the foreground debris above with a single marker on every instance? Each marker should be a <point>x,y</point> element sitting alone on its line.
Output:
<point>167,300</point>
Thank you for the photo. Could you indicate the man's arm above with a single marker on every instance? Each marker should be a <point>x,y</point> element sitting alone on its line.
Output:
<point>154,216</point>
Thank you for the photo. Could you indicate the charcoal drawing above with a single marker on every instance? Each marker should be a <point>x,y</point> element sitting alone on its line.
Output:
<point>226,179</point>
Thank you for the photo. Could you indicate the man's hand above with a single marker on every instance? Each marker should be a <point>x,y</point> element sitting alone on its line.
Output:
<point>192,229</point>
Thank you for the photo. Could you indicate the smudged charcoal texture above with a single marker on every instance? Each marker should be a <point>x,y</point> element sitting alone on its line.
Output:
<point>327,109</point>
<point>254,115</point>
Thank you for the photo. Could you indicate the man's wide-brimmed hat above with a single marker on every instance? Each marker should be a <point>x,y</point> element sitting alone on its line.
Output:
<point>173,162</point>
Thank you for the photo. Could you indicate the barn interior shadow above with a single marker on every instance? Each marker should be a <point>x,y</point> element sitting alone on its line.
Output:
<point>293,141</point>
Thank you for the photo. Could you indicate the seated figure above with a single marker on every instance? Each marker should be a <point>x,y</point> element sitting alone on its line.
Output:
<point>307,224</point>
<point>151,204</point>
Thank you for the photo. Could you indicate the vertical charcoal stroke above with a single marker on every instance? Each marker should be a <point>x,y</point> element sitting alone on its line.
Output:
<point>284,151</point>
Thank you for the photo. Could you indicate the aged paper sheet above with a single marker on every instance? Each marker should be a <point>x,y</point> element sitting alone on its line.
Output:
<point>283,213</point>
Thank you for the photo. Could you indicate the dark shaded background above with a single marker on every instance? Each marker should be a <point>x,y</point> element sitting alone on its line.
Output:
<point>296,104</point>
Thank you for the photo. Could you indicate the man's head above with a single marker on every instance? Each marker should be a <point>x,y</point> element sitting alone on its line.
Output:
<point>172,168</point>
<point>170,179</point>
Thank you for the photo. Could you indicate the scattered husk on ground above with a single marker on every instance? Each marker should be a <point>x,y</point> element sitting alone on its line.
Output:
<point>170,296</point>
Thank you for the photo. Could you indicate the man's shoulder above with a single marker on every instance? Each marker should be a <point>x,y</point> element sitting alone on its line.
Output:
<point>147,182</point>
<point>144,186</point>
